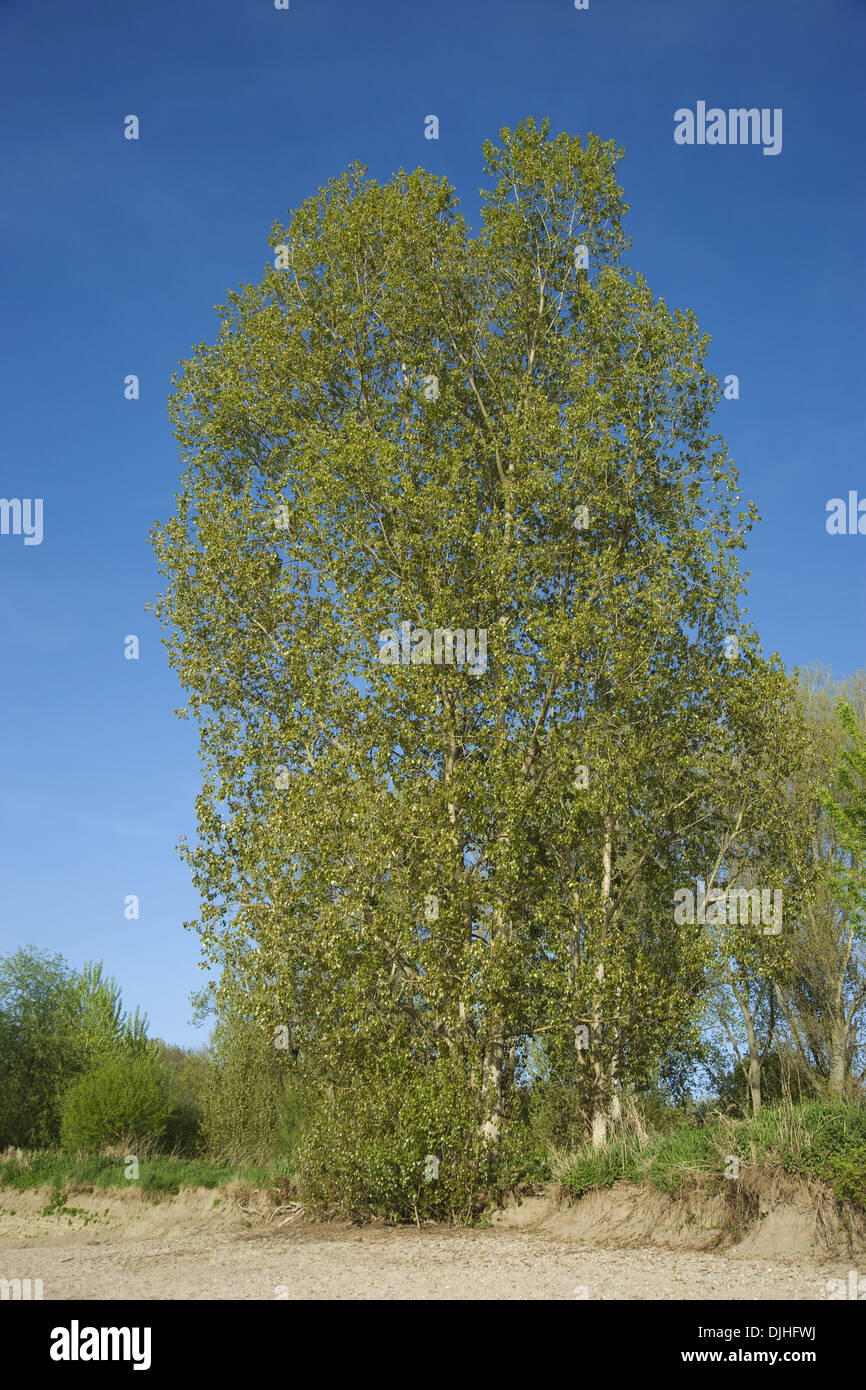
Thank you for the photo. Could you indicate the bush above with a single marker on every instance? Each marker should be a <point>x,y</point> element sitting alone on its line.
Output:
<point>55,1024</point>
<point>124,1097</point>
<point>367,1148</point>
<point>295,1117</point>
<point>556,1116</point>
<point>183,1130</point>
<point>849,1176</point>
<point>819,1133</point>
<point>243,1094</point>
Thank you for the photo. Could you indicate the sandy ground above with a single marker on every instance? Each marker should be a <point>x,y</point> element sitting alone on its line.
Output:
<point>400,1264</point>
<point>199,1246</point>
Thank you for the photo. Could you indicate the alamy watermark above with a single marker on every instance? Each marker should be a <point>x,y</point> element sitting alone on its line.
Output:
<point>77,1343</point>
<point>736,126</point>
<point>730,906</point>
<point>847,520</point>
<point>20,1290</point>
<point>854,1287</point>
<point>22,514</point>
<point>445,646</point>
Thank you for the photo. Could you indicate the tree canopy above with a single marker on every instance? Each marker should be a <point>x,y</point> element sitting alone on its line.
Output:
<point>406,436</point>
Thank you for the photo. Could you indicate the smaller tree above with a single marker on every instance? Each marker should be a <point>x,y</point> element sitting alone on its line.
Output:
<point>55,1022</point>
<point>821,994</point>
<point>37,1046</point>
<point>187,1072</point>
<point>246,1087</point>
<point>849,815</point>
<point>845,803</point>
<point>759,864</point>
<point>101,1024</point>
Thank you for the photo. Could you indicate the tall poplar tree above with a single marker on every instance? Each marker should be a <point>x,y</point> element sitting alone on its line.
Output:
<point>405,430</point>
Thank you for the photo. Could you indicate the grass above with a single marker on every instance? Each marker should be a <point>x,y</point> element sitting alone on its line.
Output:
<point>26,1170</point>
<point>823,1140</point>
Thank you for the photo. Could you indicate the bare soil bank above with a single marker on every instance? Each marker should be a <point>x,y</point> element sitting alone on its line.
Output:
<point>627,1243</point>
<point>769,1214</point>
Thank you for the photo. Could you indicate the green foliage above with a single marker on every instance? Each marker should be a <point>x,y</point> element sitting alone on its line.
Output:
<point>121,1098</point>
<point>849,1176</point>
<point>244,1092</point>
<point>678,1154</point>
<point>296,1114</point>
<point>556,1115</point>
<point>780,1076</point>
<point>64,1172</point>
<point>588,1168</point>
<point>660,1114</point>
<point>183,1133</point>
<point>821,1135</point>
<point>100,1021</point>
<point>54,1023</point>
<point>39,1049</point>
<point>365,1151</point>
<point>846,804</point>
<point>188,1073</point>
<point>326,498</point>
<point>827,1141</point>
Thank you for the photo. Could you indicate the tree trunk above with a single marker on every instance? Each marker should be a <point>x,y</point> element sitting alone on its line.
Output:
<point>492,1092</point>
<point>600,1079</point>
<point>837,1068</point>
<point>755,1082</point>
<point>615,1101</point>
<point>493,1070</point>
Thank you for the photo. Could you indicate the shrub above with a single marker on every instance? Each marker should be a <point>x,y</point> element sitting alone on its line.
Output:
<point>849,1176</point>
<point>556,1116</point>
<point>817,1134</point>
<point>367,1148</point>
<point>183,1130</point>
<point>124,1097</point>
<point>243,1093</point>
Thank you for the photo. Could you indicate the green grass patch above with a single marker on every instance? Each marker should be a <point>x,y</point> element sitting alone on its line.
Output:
<point>161,1176</point>
<point>587,1168</point>
<point>675,1156</point>
<point>817,1139</point>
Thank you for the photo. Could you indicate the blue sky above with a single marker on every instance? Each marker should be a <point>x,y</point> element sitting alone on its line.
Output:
<point>114,252</point>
